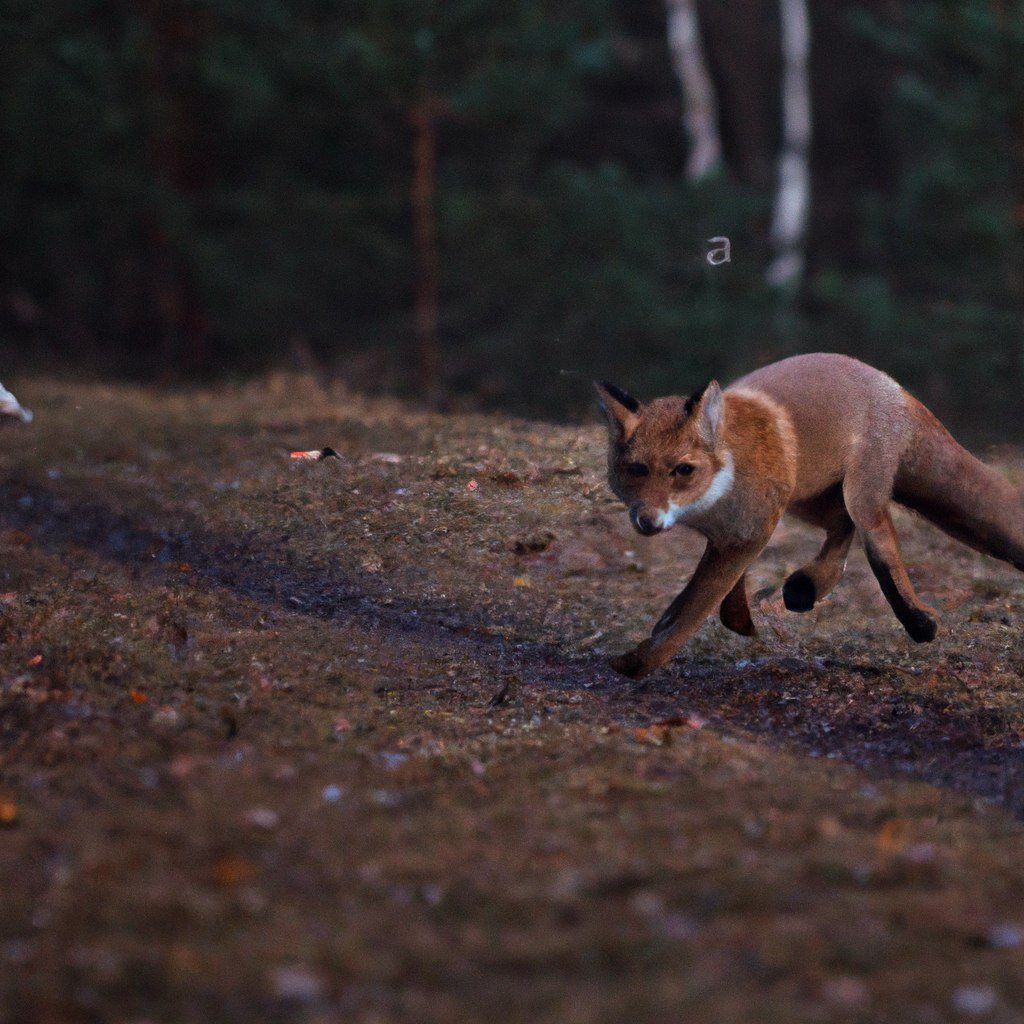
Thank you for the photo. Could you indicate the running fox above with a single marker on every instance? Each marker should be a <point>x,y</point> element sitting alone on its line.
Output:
<point>824,437</point>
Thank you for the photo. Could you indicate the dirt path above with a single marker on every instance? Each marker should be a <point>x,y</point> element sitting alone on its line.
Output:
<point>336,741</point>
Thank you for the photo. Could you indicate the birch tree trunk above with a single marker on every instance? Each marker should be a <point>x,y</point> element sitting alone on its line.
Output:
<point>700,106</point>
<point>793,192</point>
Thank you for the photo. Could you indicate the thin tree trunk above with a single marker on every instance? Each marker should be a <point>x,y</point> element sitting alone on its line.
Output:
<point>793,193</point>
<point>1011,22</point>
<point>173,307</point>
<point>700,105</point>
<point>428,264</point>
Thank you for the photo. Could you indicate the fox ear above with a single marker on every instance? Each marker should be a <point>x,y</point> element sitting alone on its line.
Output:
<point>707,410</point>
<point>621,409</point>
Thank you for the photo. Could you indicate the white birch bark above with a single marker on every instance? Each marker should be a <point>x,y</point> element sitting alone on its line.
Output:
<point>700,105</point>
<point>793,194</point>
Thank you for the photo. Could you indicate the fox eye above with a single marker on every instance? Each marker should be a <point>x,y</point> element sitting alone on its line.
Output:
<point>637,469</point>
<point>683,469</point>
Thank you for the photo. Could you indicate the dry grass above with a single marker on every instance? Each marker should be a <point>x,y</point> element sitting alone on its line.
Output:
<point>336,741</point>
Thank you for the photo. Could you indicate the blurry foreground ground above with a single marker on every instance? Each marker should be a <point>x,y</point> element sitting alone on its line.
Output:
<point>336,741</point>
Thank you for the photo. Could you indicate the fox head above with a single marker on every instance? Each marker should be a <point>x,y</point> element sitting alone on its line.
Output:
<point>666,460</point>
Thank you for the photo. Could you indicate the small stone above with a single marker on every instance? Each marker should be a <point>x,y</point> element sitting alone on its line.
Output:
<point>297,983</point>
<point>19,951</point>
<point>165,715</point>
<point>647,903</point>
<point>332,794</point>
<point>181,766</point>
<point>679,926</point>
<point>847,992</point>
<point>975,1000</point>
<point>1005,936</point>
<point>262,817</point>
<point>919,853</point>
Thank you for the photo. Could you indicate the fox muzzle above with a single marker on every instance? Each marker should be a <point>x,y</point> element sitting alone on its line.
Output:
<point>641,522</point>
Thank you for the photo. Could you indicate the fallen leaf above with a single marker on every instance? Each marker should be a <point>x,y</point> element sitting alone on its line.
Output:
<point>316,455</point>
<point>8,813</point>
<point>659,734</point>
<point>233,868</point>
<point>892,837</point>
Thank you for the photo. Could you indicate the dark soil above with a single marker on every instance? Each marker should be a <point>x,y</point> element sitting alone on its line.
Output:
<point>336,741</point>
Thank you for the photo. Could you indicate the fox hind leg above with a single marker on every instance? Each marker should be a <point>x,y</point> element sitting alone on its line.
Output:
<point>883,553</point>
<point>867,490</point>
<point>735,610</point>
<point>819,577</point>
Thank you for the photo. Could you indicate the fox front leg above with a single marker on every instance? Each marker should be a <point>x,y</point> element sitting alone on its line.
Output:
<point>714,579</point>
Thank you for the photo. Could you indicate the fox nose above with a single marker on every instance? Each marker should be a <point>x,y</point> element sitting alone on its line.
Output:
<point>641,523</point>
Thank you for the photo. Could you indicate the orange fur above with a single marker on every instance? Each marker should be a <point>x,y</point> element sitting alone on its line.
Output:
<point>824,437</point>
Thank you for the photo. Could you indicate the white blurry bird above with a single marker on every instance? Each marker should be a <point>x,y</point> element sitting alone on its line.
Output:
<point>10,406</point>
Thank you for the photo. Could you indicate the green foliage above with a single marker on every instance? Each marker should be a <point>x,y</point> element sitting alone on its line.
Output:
<point>240,173</point>
<point>602,276</point>
<point>943,308</point>
<point>956,195</point>
<point>262,152</point>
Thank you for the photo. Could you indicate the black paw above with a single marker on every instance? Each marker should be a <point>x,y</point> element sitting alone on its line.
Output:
<point>799,592</point>
<point>921,627</point>
<point>629,664</point>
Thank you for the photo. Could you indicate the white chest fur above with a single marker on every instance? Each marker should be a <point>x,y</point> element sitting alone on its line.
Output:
<point>720,485</point>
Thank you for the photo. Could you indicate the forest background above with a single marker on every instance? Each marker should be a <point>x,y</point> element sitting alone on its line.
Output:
<point>457,201</point>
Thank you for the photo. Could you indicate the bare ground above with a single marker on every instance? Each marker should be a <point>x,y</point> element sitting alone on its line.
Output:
<point>335,741</point>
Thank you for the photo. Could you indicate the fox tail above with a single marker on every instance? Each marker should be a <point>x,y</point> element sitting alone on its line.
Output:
<point>970,501</point>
